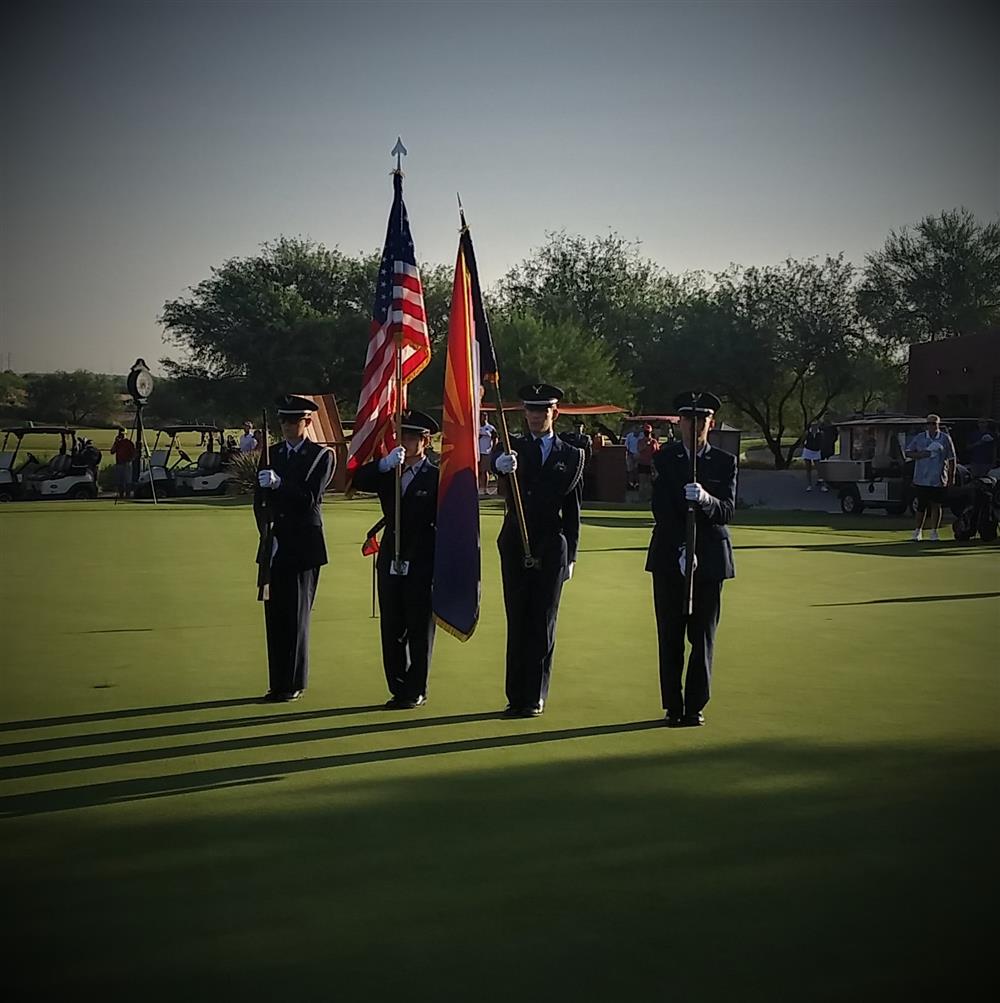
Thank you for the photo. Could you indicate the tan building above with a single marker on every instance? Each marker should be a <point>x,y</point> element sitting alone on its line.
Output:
<point>956,377</point>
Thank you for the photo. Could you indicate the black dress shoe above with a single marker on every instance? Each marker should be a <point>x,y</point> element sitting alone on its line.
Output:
<point>672,720</point>
<point>693,720</point>
<point>272,696</point>
<point>511,711</point>
<point>534,710</point>
<point>405,703</point>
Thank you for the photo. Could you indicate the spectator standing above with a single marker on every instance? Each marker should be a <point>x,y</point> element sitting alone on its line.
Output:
<point>123,450</point>
<point>812,452</point>
<point>248,441</point>
<point>487,440</point>
<point>934,470</point>
<point>649,446</point>
<point>983,451</point>
<point>632,458</point>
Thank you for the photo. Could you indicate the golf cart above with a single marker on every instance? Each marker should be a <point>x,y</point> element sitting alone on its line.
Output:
<point>871,470</point>
<point>175,473</point>
<point>71,473</point>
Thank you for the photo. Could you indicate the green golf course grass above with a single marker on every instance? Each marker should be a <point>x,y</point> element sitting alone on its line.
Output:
<point>829,835</point>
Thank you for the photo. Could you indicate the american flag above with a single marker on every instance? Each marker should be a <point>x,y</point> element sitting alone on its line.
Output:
<point>398,311</point>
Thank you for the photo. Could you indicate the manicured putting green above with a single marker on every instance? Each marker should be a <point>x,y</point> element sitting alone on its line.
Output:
<point>830,835</point>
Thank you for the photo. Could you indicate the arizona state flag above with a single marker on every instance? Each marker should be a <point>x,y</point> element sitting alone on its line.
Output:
<point>456,556</point>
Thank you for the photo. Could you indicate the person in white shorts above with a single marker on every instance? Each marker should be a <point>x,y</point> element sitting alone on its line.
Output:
<point>812,452</point>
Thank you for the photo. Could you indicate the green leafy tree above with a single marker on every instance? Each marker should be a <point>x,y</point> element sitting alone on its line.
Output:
<point>877,381</point>
<point>13,390</point>
<point>940,280</point>
<point>601,285</point>
<point>77,398</point>
<point>576,360</point>
<point>294,317</point>
<point>778,342</point>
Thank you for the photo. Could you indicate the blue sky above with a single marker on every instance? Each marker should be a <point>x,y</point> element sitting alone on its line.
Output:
<point>145,143</point>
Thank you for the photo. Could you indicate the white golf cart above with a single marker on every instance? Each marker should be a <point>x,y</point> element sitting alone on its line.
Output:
<point>63,476</point>
<point>176,474</point>
<point>870,469</point>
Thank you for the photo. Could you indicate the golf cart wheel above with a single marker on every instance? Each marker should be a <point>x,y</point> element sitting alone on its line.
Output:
<point>80,492</point>
<point>6,496</point>
<point>987,529</point>
<point>850,503</point>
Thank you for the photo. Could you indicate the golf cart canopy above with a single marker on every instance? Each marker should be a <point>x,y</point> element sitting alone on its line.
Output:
<point>899,421</point>
<point>20,430</point>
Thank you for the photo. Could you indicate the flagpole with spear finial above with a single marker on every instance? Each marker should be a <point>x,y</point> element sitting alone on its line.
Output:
<point>515,488</point>
<point>398,568</point>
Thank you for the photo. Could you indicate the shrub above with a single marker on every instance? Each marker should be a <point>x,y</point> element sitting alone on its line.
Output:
<point>243,469</point>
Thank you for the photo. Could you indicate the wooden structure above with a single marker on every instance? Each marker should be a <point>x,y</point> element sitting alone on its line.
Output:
<point>327,429</point>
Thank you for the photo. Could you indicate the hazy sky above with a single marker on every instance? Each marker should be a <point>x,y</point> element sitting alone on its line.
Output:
<point>145,142</point>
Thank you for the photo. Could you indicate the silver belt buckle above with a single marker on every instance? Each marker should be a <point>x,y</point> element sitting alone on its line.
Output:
<point>400,568</point>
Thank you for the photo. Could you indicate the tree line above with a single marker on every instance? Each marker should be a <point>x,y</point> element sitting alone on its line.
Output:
<point>783,344</point>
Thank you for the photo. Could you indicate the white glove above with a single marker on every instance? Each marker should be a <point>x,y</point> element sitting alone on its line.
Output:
<point>506,463</point>
<point>268,479</point>
<point>569,570</point>
<point>393,460</point>
<point>682,561</point>
<point>696,493</point>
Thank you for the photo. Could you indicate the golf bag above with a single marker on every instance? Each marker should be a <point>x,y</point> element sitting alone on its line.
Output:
<point>982,514</point>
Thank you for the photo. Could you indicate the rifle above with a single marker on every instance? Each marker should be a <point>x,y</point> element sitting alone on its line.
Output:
<point>691,528</point>
<point>265,517</point>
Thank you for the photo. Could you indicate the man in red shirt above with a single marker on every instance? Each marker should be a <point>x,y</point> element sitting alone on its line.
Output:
<point>123,450</point>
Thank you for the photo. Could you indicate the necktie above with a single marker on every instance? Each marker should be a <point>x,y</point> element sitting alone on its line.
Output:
<point>539,455</point>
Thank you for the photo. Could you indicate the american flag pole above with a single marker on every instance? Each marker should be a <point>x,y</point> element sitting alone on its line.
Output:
<point>398,327</point>
<point>400,151</point>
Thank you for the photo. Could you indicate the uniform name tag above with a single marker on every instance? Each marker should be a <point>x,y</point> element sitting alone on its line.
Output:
<point>399,568</point>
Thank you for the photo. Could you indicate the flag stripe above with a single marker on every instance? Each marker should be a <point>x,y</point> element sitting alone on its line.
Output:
<point>398,311</point>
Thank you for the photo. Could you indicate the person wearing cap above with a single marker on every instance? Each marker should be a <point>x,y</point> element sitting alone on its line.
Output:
<point>406,617</point>
<point>549,475</point>
<point>248,441</point>
<point>933,471</point>
<point>123,450</point>
<point>714,494</point>
<point>294,484</point>
<point>648,447</point>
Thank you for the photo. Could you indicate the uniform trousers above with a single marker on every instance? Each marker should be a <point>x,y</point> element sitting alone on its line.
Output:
<point>672,622</point>
<point>407,626</point>
<point>531,599</point>
<point>286,617</point>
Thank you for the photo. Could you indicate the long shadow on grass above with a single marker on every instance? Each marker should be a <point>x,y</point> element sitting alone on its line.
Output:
<point>234,745</point>
<point>619,522</point>
<point>124,790</point>
<point>755,872</point>
<point>187,728</point>
<point>116,715</point>
<point>908,599</point>
<point>908,548</point>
